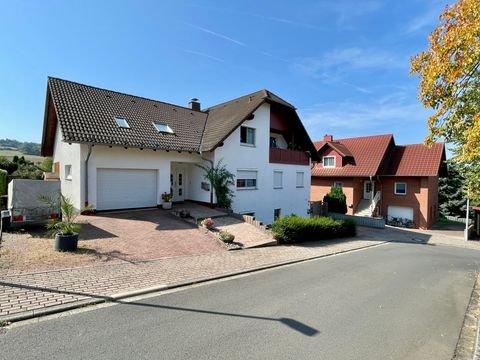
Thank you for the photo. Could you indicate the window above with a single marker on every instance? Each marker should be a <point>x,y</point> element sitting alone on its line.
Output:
<point>247,136</point>
<point>68,172</point>
<point>277,179</point>
<point>276,214</point>
<point>300,179</point>
<point>338,184</point>
<point>329,161</point>
<point>400,189</point>
<point>163,128</point>
<point>122,123</point>
<point>246,179</point>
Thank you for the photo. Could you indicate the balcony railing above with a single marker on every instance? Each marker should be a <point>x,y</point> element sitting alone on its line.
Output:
<point>294,157</point>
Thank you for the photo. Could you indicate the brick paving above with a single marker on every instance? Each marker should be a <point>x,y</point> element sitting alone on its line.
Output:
<point>29,293</point>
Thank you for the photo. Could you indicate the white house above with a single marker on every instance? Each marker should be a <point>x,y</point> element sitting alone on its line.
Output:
<point>119,151</point>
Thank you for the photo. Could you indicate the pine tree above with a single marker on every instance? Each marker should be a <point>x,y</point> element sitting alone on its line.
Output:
<point>451,198</point>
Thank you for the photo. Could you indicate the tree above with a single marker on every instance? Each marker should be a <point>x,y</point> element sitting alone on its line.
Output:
<point>47,164</point>
<point>450,192</point>
<point>450,84</point>
<point>220,179</point>
<point>336,200</point>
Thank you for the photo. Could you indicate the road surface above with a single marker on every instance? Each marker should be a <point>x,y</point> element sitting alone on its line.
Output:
<point>396,301</point>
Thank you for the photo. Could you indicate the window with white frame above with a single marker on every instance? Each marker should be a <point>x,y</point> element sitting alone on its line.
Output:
<point>247,136</point>
<point>400,188</point>
<point>328,161</point>
<point>277,179</point>
<point>162,127</point>
<point>300,181</point>
<point>246,179</point>
<point>121,122</point>
<point>338,184</point>
<point>68,172</point>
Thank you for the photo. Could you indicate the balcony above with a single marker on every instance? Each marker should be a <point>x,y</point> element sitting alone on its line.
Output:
<point>283,156</point>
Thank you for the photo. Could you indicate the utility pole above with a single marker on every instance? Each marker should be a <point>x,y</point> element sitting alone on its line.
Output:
<point>465,235</point>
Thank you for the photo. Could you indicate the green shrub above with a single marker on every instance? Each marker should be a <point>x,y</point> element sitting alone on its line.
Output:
<point>293,229</point>
<point>336,200</point>
<point>3,182</point>
<point>227,237</point>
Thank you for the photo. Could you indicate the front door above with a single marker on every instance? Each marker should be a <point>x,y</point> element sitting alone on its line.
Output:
<point>367,190</point>
<point>177,183</point>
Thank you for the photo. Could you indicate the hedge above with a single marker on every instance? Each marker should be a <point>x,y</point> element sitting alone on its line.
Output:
<point>3,189</point>
<point>294,229</point>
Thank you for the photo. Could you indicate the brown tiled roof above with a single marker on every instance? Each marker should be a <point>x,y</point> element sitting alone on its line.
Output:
<point>86,115</point>
<point>338,147</point>
<point>367,152</point>
<point>415,160</point>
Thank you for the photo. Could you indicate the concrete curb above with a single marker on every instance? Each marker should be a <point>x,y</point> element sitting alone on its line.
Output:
<point>30,314</point>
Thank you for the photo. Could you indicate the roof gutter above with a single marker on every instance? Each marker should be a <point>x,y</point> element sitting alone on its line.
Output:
<point>90,146</point>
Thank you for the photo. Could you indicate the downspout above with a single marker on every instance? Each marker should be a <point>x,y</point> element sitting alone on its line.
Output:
<point>86,173</point>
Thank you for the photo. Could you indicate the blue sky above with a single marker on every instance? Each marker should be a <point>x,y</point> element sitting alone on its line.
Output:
<point>344,63</point>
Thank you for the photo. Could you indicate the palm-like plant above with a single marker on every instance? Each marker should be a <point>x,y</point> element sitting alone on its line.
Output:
<point>66,224</point>
<point>220,179</point>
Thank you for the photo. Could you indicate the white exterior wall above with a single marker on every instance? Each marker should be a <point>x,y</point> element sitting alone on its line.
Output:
<point>69,154</point>
<point>263,200</point>
<point>120,158</point>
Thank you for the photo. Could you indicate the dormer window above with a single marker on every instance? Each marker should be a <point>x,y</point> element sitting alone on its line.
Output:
<point>163,128</point>
<point>328,161</point>
<point>121,122</point>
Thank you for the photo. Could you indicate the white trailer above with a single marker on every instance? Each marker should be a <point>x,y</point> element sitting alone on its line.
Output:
<point>25,204</point>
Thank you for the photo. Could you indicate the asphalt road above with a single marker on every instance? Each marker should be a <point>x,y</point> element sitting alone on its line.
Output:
<point>397,301</point>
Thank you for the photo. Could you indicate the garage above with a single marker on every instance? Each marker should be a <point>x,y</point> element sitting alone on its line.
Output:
<point>126,188</point>
<point>400,212</point>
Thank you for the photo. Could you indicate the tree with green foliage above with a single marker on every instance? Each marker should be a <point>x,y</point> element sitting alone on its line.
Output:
<point>220,180</point>
<point>7,165</point>
<point>449,72</point>
<point>336,200</point>
<point>451,199</point>
<point>3,188</point>
<point>47,164</point>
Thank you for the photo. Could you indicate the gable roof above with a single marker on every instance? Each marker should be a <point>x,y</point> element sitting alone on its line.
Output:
<point>416,160</point>
<point>368,153</point>
<point>86,115</point>
<point>378,155</point>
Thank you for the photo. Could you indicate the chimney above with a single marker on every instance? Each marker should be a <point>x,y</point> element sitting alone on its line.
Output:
<point>328,138</point>
<point>194,104</point>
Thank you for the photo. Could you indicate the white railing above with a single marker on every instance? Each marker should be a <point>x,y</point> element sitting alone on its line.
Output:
<point>374,202</point>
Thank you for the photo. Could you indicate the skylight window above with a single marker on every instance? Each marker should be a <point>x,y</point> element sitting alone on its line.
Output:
<point>121,122</point>
<point>162,127</point>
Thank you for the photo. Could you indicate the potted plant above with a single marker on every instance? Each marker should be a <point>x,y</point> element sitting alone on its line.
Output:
<point>166,201</point>
<point>208,223</point>
<point>65,229</point>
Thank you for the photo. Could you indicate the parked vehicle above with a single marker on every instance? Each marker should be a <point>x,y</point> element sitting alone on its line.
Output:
<point>25,206</point>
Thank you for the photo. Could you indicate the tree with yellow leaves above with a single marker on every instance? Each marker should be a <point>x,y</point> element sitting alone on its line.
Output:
<point>450,84</point>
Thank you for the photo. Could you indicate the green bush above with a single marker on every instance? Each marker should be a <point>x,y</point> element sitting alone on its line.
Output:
<point>336,200</point>
<point>227,237</point>
<point>293,229</point>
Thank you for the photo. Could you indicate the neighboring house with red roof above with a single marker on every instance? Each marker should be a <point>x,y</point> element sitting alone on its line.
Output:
<point>381,178</point>
<point>119,151</point>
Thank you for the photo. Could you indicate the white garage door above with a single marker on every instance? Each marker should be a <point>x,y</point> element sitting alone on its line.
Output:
<point>126,188</point>
<point>401,212</point>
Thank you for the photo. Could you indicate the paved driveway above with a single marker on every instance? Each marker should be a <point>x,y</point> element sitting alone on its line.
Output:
<point>145,234</point>
<point>128,236</point>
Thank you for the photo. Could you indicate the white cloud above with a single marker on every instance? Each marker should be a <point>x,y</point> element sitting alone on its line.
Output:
<point>203,55</point>
<point>427,20</point>
<point>350,58</point>
<point>346,11</point>
<point>224,37</point>
<point>348,118</point>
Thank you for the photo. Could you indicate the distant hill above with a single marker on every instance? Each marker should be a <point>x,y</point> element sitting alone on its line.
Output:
<point>25,148</point>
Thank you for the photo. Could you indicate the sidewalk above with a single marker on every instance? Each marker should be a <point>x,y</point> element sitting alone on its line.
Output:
<point>35,294</point>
